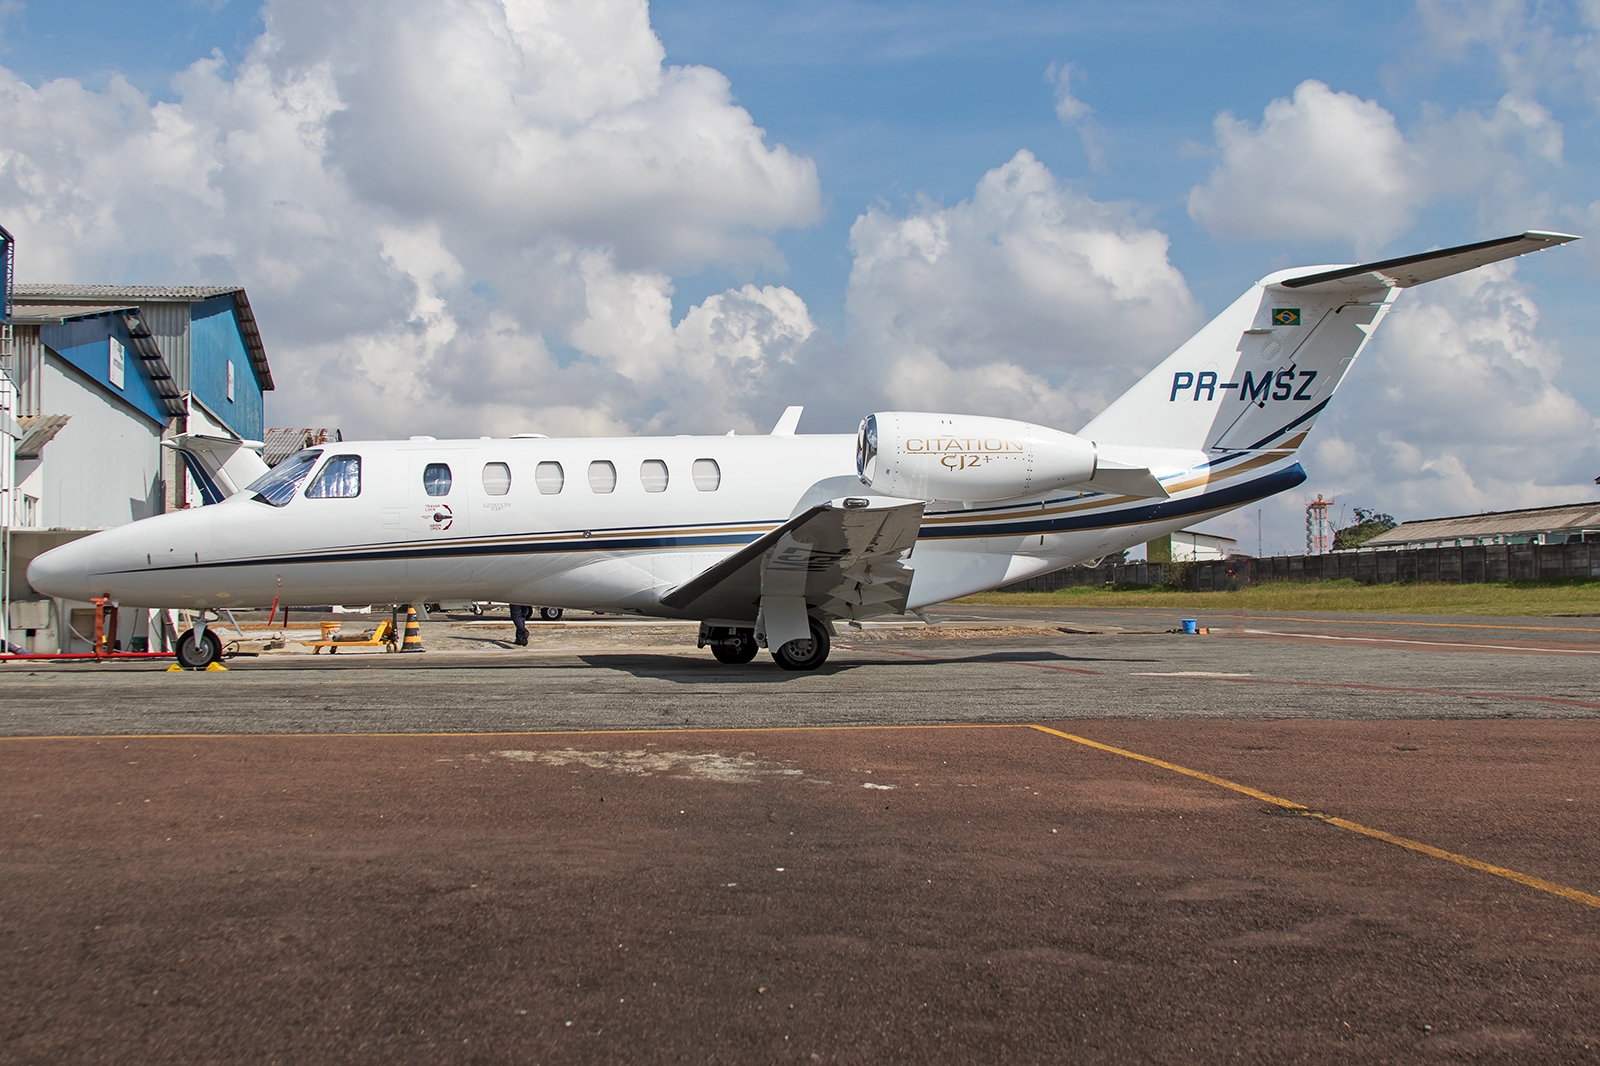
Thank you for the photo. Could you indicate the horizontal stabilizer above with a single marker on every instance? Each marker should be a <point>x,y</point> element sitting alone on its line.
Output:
<point>1124,481</point>
<point>842,556</point>
<point>1412,270</point>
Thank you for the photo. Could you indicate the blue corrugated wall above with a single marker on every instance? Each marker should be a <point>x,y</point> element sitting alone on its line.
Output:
<point>214,341</point>
<point>85,343</point>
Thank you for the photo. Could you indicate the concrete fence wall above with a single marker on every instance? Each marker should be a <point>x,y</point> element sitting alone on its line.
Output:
<point>1490,562</point>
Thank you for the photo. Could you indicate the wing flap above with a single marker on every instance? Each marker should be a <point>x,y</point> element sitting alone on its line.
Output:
<point>846,560</point>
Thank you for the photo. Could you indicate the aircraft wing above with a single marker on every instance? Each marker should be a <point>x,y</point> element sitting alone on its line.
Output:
<point>844,556</point>
<point>1426,266</point>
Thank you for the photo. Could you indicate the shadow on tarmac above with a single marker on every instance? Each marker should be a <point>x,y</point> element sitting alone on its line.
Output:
<point>762,670</point>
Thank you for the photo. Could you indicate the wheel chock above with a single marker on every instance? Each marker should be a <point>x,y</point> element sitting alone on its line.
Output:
<point>174,669</point>
<point>216,666</point>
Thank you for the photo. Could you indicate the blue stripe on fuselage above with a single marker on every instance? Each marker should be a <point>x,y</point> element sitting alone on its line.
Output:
<point>1165,510</point>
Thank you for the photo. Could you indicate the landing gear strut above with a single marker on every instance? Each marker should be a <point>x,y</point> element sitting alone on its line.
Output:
<point>731,646</point>
<point>804,654</point>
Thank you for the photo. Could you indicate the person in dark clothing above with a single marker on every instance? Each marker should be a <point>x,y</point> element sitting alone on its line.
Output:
<point>520,613</point>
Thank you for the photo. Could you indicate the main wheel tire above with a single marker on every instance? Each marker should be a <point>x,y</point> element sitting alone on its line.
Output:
<point>804,654</point>
<point>550,614</point>
<point>741,647</point>
<point>197,654</point>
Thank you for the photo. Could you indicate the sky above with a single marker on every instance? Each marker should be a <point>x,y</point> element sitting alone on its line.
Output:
<point>462,217</point>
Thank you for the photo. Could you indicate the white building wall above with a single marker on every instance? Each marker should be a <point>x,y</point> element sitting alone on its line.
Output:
<point>1189,546</point>
<point>104,468</point>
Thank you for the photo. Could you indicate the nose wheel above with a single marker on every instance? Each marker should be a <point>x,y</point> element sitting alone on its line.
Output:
<point>196,652</point>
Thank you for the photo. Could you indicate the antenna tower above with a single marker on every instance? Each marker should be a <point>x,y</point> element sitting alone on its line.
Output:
<point>1317,525</point>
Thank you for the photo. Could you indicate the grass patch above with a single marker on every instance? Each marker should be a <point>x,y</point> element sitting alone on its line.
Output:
<point>1507,597</point>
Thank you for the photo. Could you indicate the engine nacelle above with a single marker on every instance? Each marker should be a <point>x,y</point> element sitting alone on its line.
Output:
<point>967,457</point>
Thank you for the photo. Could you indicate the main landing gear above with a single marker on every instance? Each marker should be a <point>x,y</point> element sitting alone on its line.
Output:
<point>731,646</point>
<point>734,646</point>
<point>804,654</point>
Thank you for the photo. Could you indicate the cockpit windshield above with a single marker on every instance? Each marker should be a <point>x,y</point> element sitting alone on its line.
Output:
<point>277,486</point>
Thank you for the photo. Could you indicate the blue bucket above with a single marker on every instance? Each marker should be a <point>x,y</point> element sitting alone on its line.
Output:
<point>1191,626</point>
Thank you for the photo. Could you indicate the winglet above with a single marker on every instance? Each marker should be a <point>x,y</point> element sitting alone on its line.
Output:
<point>787,424</point>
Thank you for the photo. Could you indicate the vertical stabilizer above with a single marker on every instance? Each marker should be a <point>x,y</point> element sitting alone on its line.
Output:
<point>1256,376</point>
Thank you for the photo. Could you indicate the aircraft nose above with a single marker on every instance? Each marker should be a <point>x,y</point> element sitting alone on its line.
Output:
<point>64,572</point>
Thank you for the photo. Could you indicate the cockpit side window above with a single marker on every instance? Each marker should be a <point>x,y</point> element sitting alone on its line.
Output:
<point>277,486</point>
<point>340,479</point>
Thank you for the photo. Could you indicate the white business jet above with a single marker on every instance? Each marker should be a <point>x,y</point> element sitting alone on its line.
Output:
<point>768,541</point>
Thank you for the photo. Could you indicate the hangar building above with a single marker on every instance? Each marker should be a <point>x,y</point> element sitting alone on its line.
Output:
<point>103,374</point>
<point>1536,525</point>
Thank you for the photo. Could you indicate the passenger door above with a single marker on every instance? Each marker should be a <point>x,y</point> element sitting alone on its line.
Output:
<point>438,517</point>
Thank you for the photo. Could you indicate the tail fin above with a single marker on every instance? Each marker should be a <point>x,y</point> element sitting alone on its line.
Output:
<point>1258,375</point>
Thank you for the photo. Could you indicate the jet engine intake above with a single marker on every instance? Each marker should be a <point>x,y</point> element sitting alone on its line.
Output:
<point>969,458</point>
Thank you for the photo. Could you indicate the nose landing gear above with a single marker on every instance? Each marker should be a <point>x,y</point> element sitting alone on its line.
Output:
<point>198,648</point>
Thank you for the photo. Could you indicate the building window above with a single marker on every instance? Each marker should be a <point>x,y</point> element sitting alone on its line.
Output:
<point>496,479</point>
<point>707,475</point>
<point>436,479</point>
<point>277,486</point>
<point>549,477</point>
<point>339,480</point>
<point>230,380</point>
<point>602,476</point>
<point>653,475</point>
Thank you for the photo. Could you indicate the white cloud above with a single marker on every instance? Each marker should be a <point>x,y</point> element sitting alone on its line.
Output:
<point>1028,300</point>
<point>417,195</point>
<point>1077,114</point>
<point>1322,164</point>
<point>1327,164</point>
<point>1455,408</point>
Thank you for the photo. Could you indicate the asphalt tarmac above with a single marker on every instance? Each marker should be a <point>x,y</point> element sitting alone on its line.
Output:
<point>1031,836</point>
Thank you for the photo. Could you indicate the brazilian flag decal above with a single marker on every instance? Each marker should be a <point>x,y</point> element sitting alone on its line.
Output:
<point>1286,316</point>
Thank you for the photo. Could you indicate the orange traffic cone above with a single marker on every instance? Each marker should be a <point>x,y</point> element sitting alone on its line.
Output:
<point>413,638</point>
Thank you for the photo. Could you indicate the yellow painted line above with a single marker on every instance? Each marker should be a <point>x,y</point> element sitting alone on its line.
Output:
<point>525,732</point>
<point>1573,894</point>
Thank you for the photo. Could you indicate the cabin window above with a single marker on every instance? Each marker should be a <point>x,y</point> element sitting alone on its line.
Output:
<point>436,479</point>
<point>602,476</point>
<point>278,485</point>
<point>496,479</point>
<point>549,477</point>
<point>653,474</point>
<point>707,475</point>
<point>340,479</point>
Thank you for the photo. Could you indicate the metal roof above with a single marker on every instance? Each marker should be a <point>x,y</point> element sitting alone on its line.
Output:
<point>1568,517</point>
<point>70,293</point>
<point>42,303</point>
<point>55,313</point>
<point>279,444</point>
<point>38,431</point>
